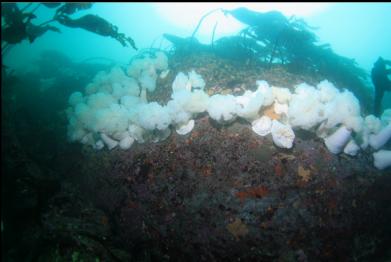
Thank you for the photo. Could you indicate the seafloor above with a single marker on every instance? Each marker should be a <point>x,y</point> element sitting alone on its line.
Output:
<point>220,193</point>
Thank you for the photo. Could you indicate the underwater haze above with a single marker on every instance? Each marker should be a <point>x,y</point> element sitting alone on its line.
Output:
<point>196,131</point>
<point>355,30</point>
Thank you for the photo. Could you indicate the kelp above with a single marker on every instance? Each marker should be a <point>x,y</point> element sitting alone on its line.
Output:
<point>273,39</point>
<point>17,24</point>
<point>293,42</point>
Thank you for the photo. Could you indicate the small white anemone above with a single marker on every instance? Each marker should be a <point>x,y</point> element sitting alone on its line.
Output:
<point>181,82</point>
<point>379,140</point>
<point>373,124</point>
<point>280,108</point>
<point>110,143</point>
<point>249,104</point>
<point>283,135</point>
<point>336,142</point>
<point>262,126</point>
<point>281,94</point>
<point>196,80</point>
<point>266,91</point>
<point>382,159</point>
<point>136,132</point>
<point>185,128</point>
<point>126,142</point>
<point>222,108</point>
<point>99,145</point>
<point>351,148</point>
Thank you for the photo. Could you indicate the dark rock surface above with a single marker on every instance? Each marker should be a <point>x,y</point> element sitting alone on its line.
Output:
<point>220,193</point>
<point>228,194</point>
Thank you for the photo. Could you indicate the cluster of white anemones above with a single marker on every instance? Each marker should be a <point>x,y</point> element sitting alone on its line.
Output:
<point>114,111</point>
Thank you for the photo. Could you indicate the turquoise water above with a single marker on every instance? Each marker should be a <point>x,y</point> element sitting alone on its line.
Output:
<point>355,30</point>
<point>112,153</point>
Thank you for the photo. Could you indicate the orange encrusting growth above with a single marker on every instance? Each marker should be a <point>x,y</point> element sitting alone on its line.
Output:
<point>269,111</point>
<point>253,192</point>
